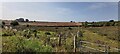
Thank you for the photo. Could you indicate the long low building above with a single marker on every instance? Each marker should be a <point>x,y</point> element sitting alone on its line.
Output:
<point>38,23</point>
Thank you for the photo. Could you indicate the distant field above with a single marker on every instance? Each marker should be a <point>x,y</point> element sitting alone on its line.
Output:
<point>46,23</point>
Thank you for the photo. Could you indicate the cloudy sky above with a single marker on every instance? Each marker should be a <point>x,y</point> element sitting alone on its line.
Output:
<point>59,0</point>
<point>61,11</point>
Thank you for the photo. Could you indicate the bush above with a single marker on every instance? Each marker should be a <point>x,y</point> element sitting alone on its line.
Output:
<point>2,26</point>
<point>3,23</point>
<point>27,20</point>
<point>107,24</point>
<point>47,33</point>
<point>27,25</point>
<point>7,33</point>
<point>85,24</point>
<point>56,27</point>
<point>21,44</point>
<point>27,33</point>
<point>14,23</point>
<point>70,28</point>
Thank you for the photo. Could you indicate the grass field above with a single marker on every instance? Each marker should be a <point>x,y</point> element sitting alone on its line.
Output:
<point>46,39</point>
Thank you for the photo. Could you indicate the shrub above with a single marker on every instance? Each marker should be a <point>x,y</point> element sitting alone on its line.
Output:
<point>107,24</point>
<point>47,33</point>
<point>14,23</point>
<point>27,33</point>
<point>70,28</point>
<point>105,34</point>
<point>2,26</point>
<point>27,25</point>
<point>27,20</point>
<point>21,44</point>
<point>34,30</point>
<point>7,33</point>
<point>3,23</point>
<point>85,24</point>
<point>56,27</point>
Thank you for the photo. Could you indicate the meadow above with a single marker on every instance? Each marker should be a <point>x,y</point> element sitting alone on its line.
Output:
<point>60,39</point>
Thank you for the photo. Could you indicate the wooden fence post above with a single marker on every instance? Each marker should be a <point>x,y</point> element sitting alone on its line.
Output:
<point>48,39</point>
<point>59,40</point>
<point>107,49</point>
<point>75,43</point>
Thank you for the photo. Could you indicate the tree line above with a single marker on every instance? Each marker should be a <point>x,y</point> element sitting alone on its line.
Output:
<point>84,24</point>
<point>100,24</point>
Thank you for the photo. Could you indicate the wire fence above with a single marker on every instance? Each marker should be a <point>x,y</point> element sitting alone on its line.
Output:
<point>106,47</point>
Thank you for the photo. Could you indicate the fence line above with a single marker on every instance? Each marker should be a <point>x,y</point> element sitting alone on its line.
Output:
<point>116,49</point>
<point>92,43</point>
<point>93,48</point>
<point>97,44</point>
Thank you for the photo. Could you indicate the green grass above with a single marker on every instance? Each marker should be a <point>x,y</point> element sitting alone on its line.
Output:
<point>94,37</point>
<point>42,44</point>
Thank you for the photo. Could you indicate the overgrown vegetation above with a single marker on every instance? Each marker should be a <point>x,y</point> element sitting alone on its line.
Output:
<point>14,23</point>
<point>21,43</point>
<point>59,39</point>
<point>101,24</point>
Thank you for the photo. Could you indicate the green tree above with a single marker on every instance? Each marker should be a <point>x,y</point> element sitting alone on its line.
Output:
<point>93,24</point>
<point>86,24</point>
<point>111,21</point>
<point>27,20</point>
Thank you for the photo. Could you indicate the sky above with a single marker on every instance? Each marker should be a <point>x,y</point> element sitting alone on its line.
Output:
<point>60,11</point>
<point>59,0</point>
